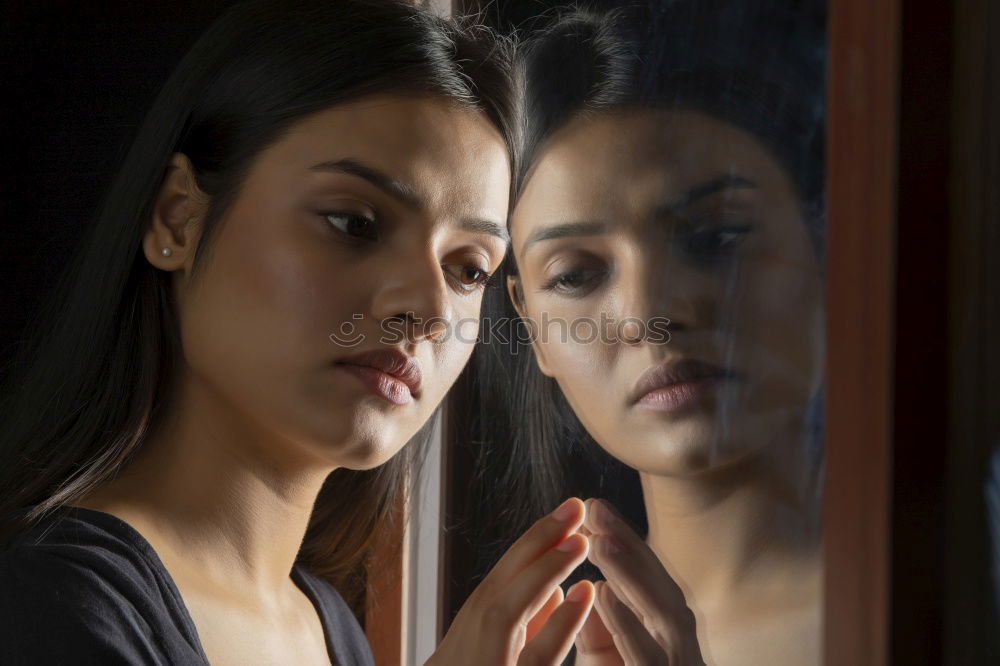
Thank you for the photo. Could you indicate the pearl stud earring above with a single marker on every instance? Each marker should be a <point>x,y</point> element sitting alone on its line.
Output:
<point>165,252</point>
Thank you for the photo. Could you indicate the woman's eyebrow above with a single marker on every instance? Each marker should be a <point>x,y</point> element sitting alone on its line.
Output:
<point>480,226</point>
<point>676,203</point>
<point>703,190</point>
<point>392,186</point>
<point>565,230</point>
<point>405,194</point>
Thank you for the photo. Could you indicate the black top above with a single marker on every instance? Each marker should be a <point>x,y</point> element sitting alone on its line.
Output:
<point>84,587</point>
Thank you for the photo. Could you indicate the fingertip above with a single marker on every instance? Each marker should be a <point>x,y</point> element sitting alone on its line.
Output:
<point>601,591</point>
<point>591,518</point>
<point>597,591</point>
<point>573,543</point>
<point>586,543</point>
<point>581,593</point>
<point>602,516</point>
<point>572,510</point>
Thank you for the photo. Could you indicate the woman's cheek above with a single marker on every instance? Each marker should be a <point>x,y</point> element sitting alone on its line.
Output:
<point>450,356</point>
<point>783,348</point>
<point>574,367</point>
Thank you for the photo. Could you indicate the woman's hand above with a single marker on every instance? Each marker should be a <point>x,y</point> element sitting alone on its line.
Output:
<point>517,615</point>
<point>642,618</point>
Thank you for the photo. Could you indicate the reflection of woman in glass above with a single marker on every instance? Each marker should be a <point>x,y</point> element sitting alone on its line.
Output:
<point>210,429</point>
<point>672,169</point>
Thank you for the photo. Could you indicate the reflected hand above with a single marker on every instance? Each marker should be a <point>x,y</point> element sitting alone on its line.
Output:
<point>642,618</point>
<point>517,615</point>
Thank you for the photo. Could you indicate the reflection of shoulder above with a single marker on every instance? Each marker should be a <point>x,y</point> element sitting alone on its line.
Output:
<point>350,644</point>
<point>83,587</point>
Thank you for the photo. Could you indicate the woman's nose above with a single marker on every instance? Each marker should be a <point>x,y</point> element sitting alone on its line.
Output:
<point>675,290</point>
<point>661,290</point>
<point>413,295</point>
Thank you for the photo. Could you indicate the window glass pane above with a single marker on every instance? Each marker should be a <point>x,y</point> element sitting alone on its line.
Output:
<point>656,339</point>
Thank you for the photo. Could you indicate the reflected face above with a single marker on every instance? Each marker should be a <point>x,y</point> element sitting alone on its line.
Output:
<point>350,234</point>
<point>635,217</point>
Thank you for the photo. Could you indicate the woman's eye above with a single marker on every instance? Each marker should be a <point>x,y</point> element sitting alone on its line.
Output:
<point>710,243</point>
<point>353,224</point>
<point>577,281</point>
<point>469,278</point>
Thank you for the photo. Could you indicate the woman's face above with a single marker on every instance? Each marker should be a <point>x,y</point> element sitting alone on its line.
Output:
<point>348,235</point>
<point>635,217</point>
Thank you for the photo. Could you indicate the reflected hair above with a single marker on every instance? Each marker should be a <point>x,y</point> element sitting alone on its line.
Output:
<point>96,370</point>
<point>759,66</point>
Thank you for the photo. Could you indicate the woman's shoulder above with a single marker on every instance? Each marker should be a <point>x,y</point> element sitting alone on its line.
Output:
<point>83,586</point>
<point>74,550</point>
<point>82,543</point>
<point>345,637</point>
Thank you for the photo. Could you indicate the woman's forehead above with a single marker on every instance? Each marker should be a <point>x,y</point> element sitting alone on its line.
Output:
<point>390,127</point>
<point>441,151</point>
<point>639,139</point>
<point>621,156</point>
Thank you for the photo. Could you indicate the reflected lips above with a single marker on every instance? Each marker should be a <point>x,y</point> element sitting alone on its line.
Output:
<point>388,373</point>
<point>675,385</point>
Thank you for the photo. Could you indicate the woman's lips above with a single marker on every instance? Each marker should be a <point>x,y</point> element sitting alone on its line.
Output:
<point>678,396</point>
<point>381,383</point>
<point>388,373</point>
<point>677,384</point>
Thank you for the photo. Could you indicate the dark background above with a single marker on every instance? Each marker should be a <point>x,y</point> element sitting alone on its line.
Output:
<point>77,80</point>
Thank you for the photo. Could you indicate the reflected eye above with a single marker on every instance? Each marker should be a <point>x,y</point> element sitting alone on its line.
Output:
<point>578,281</point>
<point>708,244</point>
<point>353,224</point>
<point>468,278</point>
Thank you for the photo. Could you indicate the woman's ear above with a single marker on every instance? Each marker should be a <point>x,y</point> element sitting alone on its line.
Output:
<point>180,207</point>
<point>516,293</point>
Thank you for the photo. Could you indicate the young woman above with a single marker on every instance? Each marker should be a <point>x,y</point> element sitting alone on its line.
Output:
<point>672,171</point>
<point>199,446</point>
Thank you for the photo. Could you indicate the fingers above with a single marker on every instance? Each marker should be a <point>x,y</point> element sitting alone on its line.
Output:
<point>554,640</point>
<point>623,598</point>
<point>622,556</point>
<point>594,643</point>
<point>602,520</point>
<point>543,614</point>
<point>522,581</point>
<point>641,583</point>
<point>529,591</point>
<point>634,643</point>
<point>539,538</point>
<point>653,595</point>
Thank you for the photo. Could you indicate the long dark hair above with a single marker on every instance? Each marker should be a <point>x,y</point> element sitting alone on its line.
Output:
<point>759,66</point>
<point>96,368</point>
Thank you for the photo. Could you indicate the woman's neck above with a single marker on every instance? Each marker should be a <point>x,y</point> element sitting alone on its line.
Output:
<point>223,501</point>
<point>729,535</point>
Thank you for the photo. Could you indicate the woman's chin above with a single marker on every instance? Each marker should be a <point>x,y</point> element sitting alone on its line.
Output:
<point>359,455</point>
<point>358,444</point>
<point>356,437</point>
<point>689,448</point>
